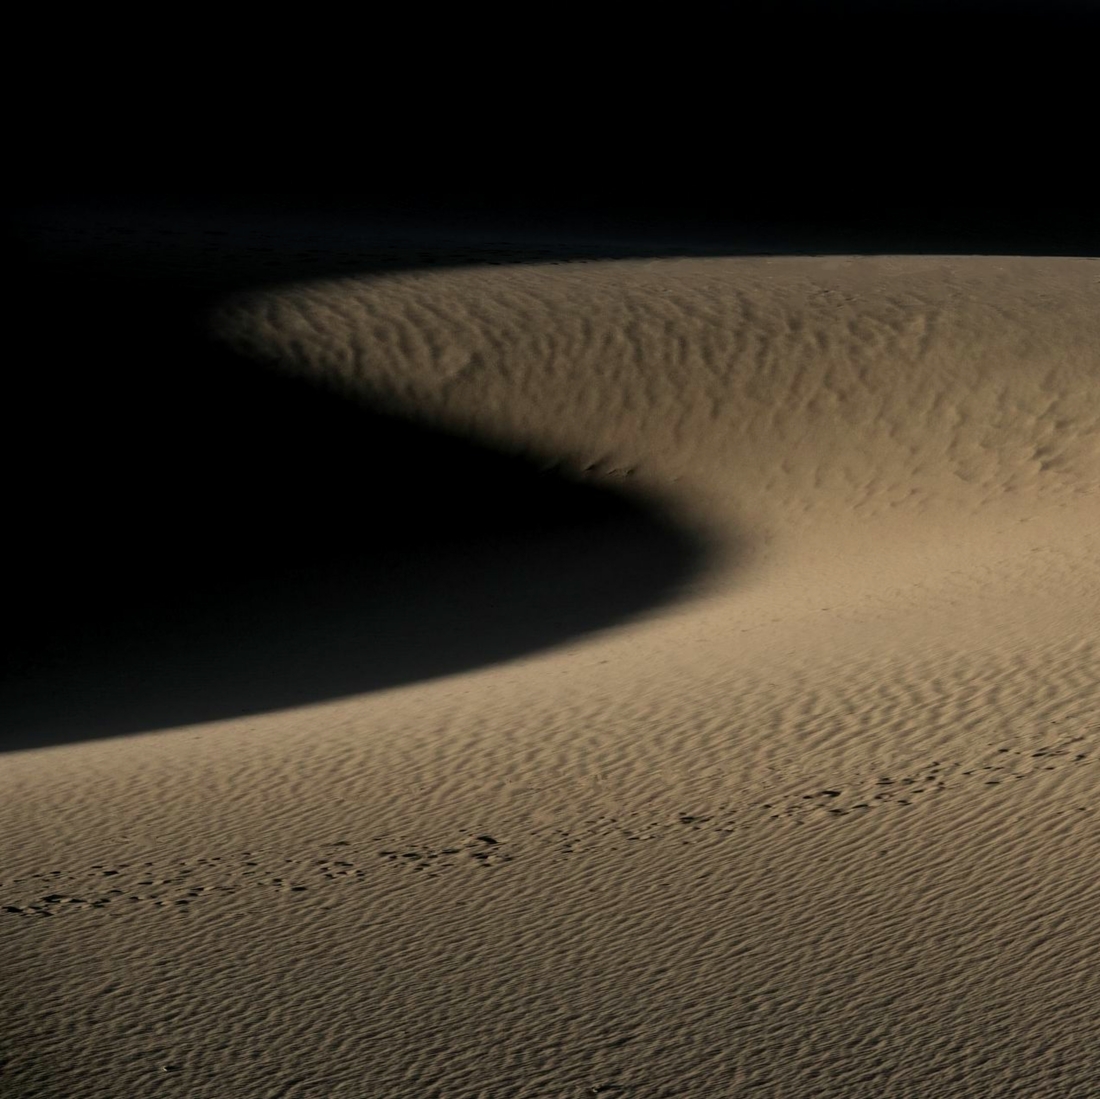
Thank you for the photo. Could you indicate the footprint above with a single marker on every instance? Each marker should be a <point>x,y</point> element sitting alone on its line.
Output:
<point>184,884</point>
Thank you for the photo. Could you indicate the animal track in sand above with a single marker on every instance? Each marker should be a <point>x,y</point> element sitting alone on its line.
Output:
<point>182,883</point>
<point>483,851</point>
<point>907,788</point>
<point>189,883</point>
<point>915,784</point>
<point>175,883</point>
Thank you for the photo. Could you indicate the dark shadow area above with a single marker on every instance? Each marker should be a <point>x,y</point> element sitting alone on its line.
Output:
<point>194,536</point>
<point>948,126</point>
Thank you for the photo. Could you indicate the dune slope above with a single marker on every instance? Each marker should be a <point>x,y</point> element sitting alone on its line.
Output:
<point>825,825</point>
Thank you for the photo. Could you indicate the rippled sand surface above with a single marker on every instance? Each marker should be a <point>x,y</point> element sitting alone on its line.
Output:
<point>819,820</point>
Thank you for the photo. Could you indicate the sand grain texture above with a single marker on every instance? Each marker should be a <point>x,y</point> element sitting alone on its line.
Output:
<point>823,824</point>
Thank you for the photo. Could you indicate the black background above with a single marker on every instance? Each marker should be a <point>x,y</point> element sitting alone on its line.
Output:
<point>960,122</point>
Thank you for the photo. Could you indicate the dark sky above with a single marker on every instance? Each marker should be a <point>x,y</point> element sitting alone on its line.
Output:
<point>843,115</point>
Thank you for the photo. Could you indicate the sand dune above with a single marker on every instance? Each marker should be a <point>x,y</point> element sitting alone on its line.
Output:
<point>816,819</point>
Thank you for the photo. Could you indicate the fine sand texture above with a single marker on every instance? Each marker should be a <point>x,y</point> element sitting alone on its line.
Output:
<point>587,669</point>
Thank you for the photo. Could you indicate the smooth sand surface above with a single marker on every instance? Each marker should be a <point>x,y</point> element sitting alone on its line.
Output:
<point>818,818</point>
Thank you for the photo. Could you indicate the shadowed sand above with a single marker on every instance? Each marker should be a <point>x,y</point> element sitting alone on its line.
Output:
<point>689,664</point>
<point>221,539</point>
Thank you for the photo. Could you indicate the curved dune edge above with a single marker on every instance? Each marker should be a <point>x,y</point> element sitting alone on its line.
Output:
<point>827,827</point>
<point>902,441</point>
<point>838,388</point>
<point>871,421</point>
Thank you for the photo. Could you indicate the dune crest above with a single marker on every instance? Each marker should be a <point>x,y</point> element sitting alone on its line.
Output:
<point>827,385</point>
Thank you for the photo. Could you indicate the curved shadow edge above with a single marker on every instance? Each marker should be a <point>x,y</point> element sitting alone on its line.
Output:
<point>211,539</point>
